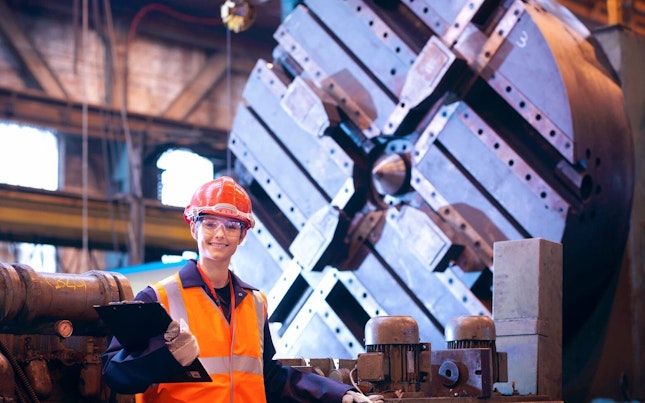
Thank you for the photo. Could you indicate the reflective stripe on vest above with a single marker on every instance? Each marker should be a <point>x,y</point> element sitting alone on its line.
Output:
<point>173,297</point>
<point>222,365</point>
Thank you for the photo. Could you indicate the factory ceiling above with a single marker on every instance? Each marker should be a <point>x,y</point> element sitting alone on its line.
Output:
<point>160,21</point>
<point>193,22</point>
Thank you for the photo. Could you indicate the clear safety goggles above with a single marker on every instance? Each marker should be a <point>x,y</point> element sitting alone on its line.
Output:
<point>212,225</point>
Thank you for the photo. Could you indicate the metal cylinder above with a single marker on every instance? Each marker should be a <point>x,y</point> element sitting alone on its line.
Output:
<point>341,375</point>
<point>470,328</point>
<point>26,295</point>
<point>13,292</point>
<point>391,330</point>
<point>396,339</point>
<point>391,174</point>
<point>473,332</point>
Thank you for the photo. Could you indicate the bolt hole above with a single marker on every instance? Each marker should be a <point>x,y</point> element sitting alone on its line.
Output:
<point>586,187</point>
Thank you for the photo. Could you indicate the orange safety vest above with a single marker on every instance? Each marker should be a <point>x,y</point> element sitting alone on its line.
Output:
<point>234,366</point>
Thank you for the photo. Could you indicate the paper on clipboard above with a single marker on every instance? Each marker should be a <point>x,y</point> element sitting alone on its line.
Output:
<point>133,323</point>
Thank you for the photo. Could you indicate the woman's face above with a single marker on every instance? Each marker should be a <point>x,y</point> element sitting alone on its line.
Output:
<point>217,237</point>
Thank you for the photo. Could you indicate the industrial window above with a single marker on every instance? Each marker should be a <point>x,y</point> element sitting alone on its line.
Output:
<point>182,172</point>
<point>37,256</point>
<point>28,156</point>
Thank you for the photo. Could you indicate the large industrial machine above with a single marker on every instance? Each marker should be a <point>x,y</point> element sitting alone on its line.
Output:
<point>388,146</point>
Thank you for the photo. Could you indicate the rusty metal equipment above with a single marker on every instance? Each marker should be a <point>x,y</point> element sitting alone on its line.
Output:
<point>394,357</point>
<point>471,364</point>
<point>398,366</point>
<point>389,144</point>
<point>50,336</point>
<point>51,340</point>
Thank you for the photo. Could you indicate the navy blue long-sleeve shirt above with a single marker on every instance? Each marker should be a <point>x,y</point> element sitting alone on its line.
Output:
<point>130,372</point>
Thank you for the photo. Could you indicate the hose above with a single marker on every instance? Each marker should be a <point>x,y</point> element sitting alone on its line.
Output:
<point>20,375</point>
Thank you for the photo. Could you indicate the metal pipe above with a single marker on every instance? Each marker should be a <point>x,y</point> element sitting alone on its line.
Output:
<point>26,295</point>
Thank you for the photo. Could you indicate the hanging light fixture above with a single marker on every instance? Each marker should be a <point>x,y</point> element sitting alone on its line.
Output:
<point>237,15</point>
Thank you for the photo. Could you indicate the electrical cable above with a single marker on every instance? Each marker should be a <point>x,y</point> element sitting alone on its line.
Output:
<point>75,23</point>
<point>165,9</point>
<point>229,95</point>
<point>84,170</point>
<point>20,374</point>
<point>351,379</point>
<point>111,39</point>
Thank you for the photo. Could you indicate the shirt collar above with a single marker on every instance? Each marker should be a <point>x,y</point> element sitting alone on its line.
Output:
<point>190,277</point>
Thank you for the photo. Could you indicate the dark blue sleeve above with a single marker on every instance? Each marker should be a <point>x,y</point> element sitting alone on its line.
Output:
<point>130,372</point>
<point>286,384</point>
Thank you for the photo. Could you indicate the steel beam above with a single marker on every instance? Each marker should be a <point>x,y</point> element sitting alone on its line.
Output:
<point>66,117</point>
<point>39,216</point>
<point>213,70</point>
<point>28,54</point>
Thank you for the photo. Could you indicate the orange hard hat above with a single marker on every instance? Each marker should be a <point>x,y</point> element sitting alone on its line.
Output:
<point>223,197</point>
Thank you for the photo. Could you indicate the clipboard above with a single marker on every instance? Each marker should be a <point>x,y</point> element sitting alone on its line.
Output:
<point>133,323</point>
